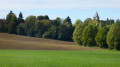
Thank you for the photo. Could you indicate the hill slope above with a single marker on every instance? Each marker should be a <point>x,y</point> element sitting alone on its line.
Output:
<point>11,41</point>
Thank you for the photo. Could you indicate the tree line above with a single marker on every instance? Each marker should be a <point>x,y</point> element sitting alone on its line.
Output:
<point>91,32</point>
<point>38,26</point>
<point>97,33</point>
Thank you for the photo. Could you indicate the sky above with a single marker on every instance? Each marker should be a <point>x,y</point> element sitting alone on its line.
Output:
<point>75,9</point>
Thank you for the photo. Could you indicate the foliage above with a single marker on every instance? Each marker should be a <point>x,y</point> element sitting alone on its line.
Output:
<point>65,33</point>
<point>67,22</point>
<point>20,19</point>
<point>109,22</point>
<point>12,26</point>
<point>29,25</point>
<point>62,32</point>
<point>2,25</point>
<point>94,22</point>
<point>47,34</point>
<point>8,18</point>
<point>87,21</point>
<point>56,22</point>
<point>113,36</point>
<point>41,27</point>
<point>43,17</point>
<point>77,34</point>
<point>20,29</point>
<point>66,26</point>
<point>101,37</point>
<point>88,35</point>
<point>52,33</point>
<point>7,21</point>
<point>77,22</point>
<point>70,33</point>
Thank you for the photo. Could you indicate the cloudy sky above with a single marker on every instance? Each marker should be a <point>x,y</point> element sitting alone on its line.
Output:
<point>76,9</point>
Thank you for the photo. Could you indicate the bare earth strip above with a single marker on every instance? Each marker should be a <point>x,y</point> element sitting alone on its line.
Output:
<point>10,41</point>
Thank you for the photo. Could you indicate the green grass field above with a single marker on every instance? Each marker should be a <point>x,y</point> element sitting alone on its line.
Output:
<point>52,58</point>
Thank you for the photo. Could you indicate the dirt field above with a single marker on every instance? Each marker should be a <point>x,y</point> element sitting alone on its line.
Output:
<point>10,41</point>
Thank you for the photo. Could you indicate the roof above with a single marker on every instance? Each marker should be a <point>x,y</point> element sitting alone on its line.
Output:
<point>96,14</point>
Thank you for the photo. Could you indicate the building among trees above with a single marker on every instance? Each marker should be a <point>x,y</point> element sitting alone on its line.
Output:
<point>96,16</point>
<point>96,21</point>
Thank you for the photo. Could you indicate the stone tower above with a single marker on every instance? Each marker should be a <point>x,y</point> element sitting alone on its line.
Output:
<point>96,16</point>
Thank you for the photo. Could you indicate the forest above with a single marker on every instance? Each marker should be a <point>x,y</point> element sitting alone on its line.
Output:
<point>91,32</point>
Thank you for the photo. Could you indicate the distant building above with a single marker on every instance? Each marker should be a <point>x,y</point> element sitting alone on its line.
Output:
<point>96,19</point>
<point>96,16</point>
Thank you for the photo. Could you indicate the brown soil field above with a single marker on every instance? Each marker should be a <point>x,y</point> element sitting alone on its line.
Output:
<point>11,41</point>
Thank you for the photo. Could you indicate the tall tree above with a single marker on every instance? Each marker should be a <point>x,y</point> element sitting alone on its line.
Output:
<point>29,25</point>
<point>46,17</point>
<point>113,36</point>
<point>40,18</point>
<point>67,22</point>
<point>20,19</point>
<point>41,27</point>
<point>12,26</point>
<point>20,15</point>
<point>101,37</point>
<point>66,26</point>
<point>56,22</point>
<point>62,34</point>
<point>77,22</point>
<point>7,21</point>
<point>88,35</point>
<point>77,34</point>
<point>87,21</point>
<point>9,16</point>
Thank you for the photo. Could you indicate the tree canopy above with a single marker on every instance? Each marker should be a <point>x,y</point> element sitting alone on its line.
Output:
<point>101,37</point>
<point>113,36</point>
<point>77,22</point>
<point>88,35</point>
<point>77,34</point>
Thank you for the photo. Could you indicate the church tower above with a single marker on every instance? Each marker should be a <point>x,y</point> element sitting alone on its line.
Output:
<point>96,16</point>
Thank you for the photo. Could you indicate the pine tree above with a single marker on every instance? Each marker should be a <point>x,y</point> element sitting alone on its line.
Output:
<point>20,19</point>
<point>67,22</point>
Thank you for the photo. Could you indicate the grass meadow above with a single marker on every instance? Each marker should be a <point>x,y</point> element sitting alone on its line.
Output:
<point>61,58</point>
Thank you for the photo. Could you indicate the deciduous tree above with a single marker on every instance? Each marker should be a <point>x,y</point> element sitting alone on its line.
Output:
<point>77,22</point>
<point>77,34</point>
<point>101,37</point>
<point>113,36</point>
<point>88,35</point>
